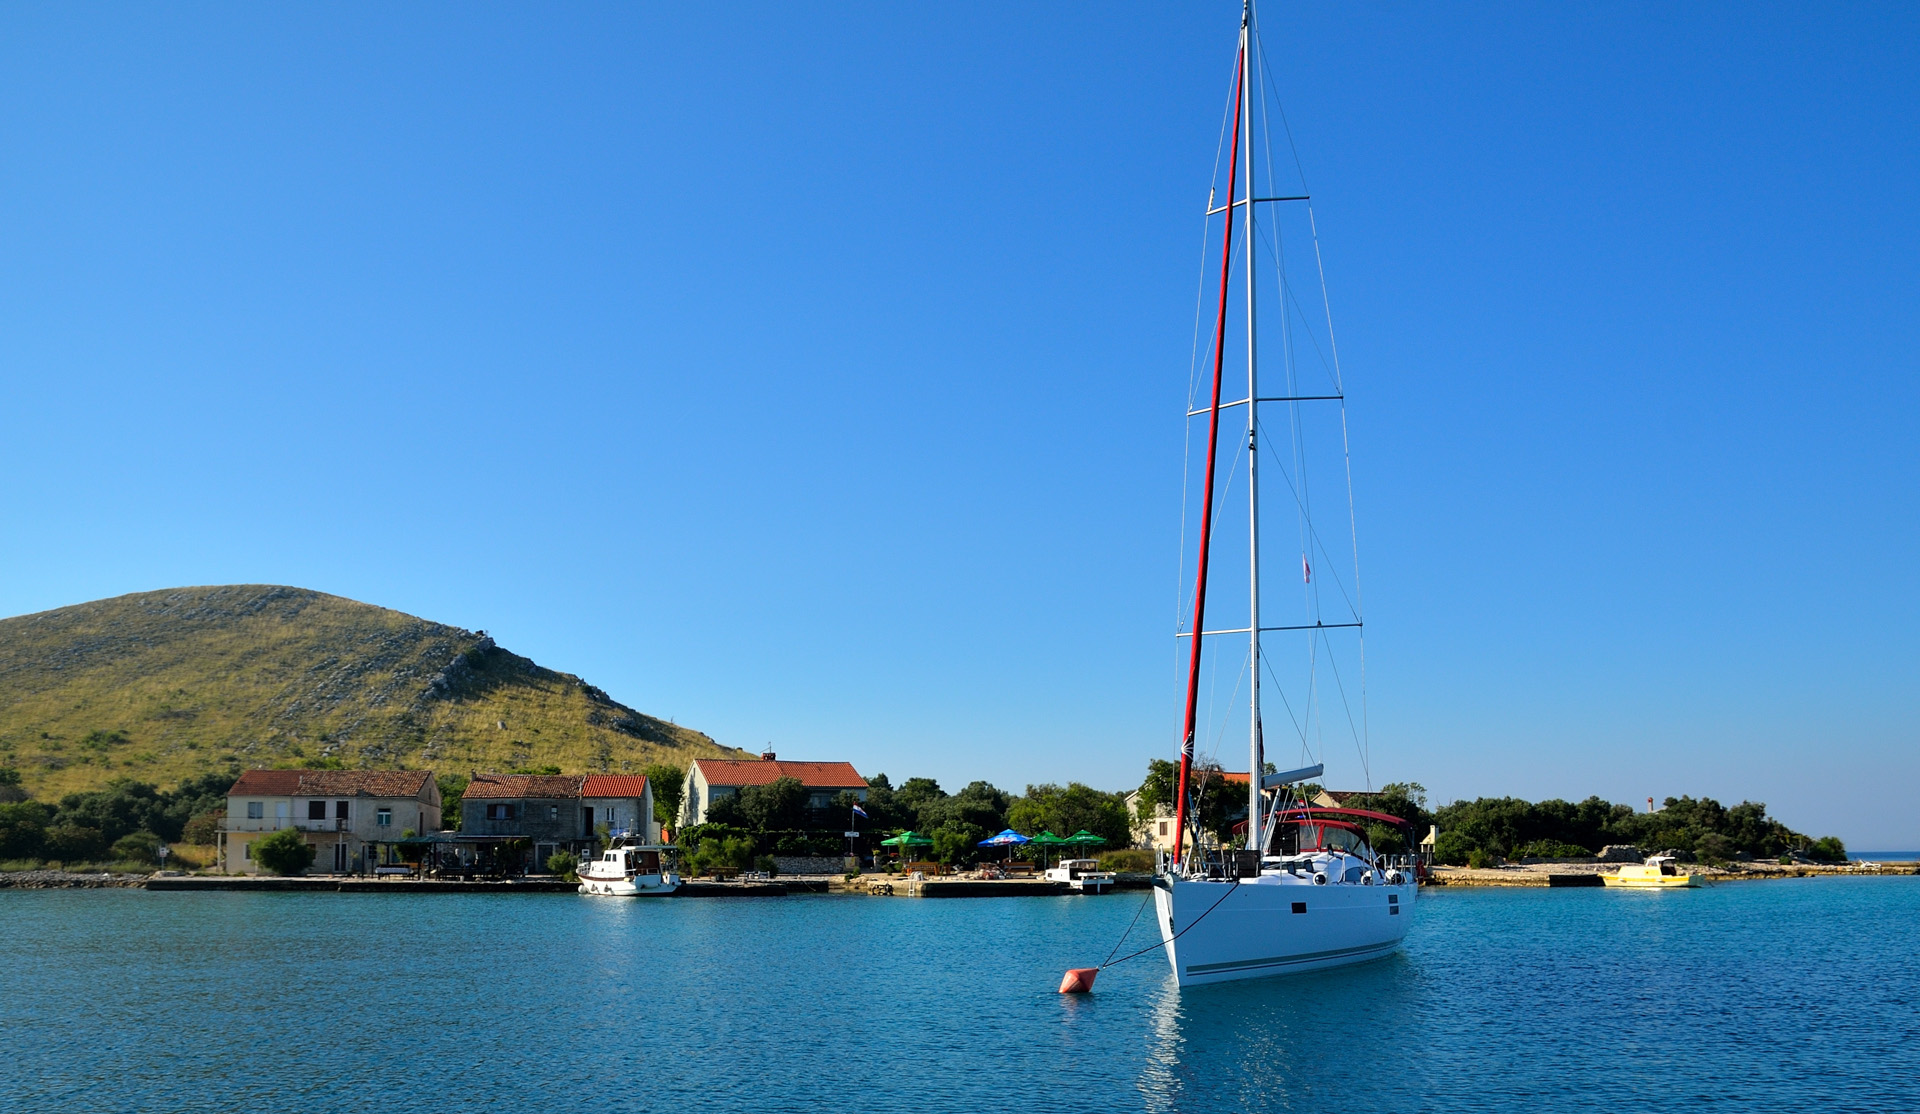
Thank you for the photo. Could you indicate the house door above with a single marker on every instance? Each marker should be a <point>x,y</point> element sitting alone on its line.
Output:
<point>339,858</point>
<point>587,827</point>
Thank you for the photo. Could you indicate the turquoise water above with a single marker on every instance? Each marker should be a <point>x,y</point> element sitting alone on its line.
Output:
<point>1788,995</point>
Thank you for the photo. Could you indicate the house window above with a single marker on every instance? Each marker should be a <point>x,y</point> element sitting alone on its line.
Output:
<point>499,812</point>
<point>246,850</point>
<point>383,817</point>
<point>256,810</point>
<point>316,810</point>
<point>339,810</point>
<point>1163,827</point>
<point>553,812</point>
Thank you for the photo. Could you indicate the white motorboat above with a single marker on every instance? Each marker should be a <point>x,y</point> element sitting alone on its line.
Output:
<point>629,868</point>
<point>1308,891</point>
<point>1083,875</point>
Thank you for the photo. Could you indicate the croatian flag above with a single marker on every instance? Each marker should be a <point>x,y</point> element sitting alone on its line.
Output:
<point>1306,570</point>
<point>858,811</point>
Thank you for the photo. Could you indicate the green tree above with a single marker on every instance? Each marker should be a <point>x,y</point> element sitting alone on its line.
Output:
<point>669,785</point>
<point>883,812</point>
<point>74,843</point>
<point>451,786</point>
<point>10,788</point>
<point>1064,811</point>
<point>563,864</point>
<point>137,847</point>
<point>1162,784</point>
<point>1214,800</point>
<point>779,804</point>
<point>957,843</point>
<point>23,829</point>
<point>979,805</point>
<point>284,852</point>
<point>913,798</point>
<point>203,829</point>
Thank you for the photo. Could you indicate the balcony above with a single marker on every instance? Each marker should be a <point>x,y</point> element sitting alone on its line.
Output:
<point>275,823</point>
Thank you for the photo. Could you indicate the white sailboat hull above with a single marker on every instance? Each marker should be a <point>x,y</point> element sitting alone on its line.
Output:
<point>1276,925</point>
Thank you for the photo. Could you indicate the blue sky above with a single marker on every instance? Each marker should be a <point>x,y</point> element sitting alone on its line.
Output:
<point>813,375</point>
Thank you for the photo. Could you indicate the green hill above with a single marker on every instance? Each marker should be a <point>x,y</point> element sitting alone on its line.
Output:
<point>161,686</point>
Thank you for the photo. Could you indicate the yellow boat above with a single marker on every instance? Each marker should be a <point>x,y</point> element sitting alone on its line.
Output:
<point>1657,873</point>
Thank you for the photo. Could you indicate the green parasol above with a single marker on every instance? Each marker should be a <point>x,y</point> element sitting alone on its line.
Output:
<point>907,839</point>
<point>1046,841</point>
<point>1084,838</point>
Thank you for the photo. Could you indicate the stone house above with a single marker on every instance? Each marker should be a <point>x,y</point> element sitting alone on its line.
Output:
<point>545,809</point>
<point>709,779</point>
<point>620,802</point>
<point>340,813</point>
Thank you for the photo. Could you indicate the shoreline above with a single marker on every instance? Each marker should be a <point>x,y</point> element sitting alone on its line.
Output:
<point>1554,875</point>
<point>1587,874</point>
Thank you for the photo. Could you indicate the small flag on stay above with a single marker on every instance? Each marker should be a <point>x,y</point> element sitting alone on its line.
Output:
<point>1306,571</point>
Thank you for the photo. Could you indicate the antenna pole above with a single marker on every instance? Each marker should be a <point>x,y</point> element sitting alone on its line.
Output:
<point>1213,445</point>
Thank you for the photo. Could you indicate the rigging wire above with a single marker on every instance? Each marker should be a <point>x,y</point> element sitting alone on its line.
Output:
<point>1332,355</point>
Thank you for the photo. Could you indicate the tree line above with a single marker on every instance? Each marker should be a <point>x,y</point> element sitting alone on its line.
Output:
<point>1487,829</point>
<point>124,822</point>
<point>773,819</point>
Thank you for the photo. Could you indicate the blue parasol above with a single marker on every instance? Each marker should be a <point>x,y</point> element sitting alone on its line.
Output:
<point>1007,838</point>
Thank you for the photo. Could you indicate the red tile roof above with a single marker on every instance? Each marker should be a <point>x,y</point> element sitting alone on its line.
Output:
<point>331,783</point>
<point>614,785</point>
<point>1238,779</point>
<point>266,783</point>
<point>813,775</point>
<point>493,786</point>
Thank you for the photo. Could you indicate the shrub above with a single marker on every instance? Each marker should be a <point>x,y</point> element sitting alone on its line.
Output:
<point>721,855</point>
<point>284,852</point>
<point>563,863</point>
<point>1713,848</point>
<point>137,847</point>
<point>1133,861</point>
<point>1478,859</point>
<point>23,829</point>
<point>1827,849</point>
<point>1550,849</point>
<point>203,829</point>
<point>1453,849</point>
<point>766,865</point>
<point>73,843</point>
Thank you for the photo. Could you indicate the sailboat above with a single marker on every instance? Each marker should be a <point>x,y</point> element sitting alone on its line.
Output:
<point>1307,890</point>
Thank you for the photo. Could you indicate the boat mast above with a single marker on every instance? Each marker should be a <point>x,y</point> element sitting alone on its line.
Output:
<point>1198,633</point>
<point>1254,762</point>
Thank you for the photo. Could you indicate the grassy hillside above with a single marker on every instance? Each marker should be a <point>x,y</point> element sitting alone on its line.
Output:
<point>160,686</point>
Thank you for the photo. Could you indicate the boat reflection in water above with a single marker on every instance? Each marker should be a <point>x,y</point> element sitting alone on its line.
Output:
<point>1240,1046</point>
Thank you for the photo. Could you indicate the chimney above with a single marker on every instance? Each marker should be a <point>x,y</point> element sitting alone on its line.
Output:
<point>766,756</point>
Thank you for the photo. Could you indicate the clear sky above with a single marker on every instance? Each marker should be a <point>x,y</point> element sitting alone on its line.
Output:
<point>812,375</point>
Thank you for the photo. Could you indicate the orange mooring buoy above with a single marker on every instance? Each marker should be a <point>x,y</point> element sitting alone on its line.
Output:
<point>1079,980</point>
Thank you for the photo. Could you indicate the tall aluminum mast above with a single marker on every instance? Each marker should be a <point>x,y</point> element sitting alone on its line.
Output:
<point>1255,761</point>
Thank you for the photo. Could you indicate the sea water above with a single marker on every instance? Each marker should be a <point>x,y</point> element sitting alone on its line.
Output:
<point>1759,996</point>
